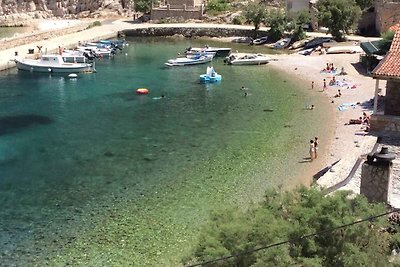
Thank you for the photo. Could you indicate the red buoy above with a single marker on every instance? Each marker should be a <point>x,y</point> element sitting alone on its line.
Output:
<point>142,91</point>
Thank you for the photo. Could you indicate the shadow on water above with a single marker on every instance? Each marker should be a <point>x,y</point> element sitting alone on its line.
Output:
<point>11,124</point>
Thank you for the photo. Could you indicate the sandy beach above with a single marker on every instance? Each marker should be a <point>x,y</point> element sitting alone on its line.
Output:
<point>342,142</point>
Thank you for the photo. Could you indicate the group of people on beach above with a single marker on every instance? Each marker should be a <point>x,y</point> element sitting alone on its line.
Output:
<point>365,120</point>
<point>314,148</point>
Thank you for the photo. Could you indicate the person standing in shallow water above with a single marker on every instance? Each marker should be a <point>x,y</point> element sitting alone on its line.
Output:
<point>316,143</point>
<point>312,150</point>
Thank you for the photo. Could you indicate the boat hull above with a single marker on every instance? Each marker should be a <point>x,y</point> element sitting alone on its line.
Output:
<point>186,61</point>
<point>249,62</point>
<point>219,52</point>
<point>53,69</point>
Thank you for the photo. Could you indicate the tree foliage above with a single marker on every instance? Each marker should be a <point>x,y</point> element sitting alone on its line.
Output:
<point>364,4</point>
<point>297,20</point>
<point>143,6</point>
<point>217,5</point>
<point>386,41</point>
<point>255,13</point>
<point>339,16</point>
<point>290,216</point>
<point>277,22</point>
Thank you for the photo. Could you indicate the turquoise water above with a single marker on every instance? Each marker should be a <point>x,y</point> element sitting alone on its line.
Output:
<point>93,174</point>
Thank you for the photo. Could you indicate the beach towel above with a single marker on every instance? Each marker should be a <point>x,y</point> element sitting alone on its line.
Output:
<point>344,106</point>
<point>334,72</point>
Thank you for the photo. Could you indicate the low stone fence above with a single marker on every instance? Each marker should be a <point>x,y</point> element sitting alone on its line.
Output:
<point>188,32</point>
<point>385,125</point>
<point>38,36</point>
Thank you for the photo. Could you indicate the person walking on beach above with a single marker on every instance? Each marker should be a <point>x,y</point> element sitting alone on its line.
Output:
<point>312,85</point>
<point>324,88</point>
<point>312,150</point>
<point>316,143</point>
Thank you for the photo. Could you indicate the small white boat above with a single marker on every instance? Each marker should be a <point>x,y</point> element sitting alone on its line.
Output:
<point>52,64</point>
<point>210,76</point>
<point>260,41</point>
<point>201,54</point>
<point>183,61</point>
<point>101,52</point>
<point>219,51</point>
<point>283,43</point>
<point>247,59</point>
<point>306,52</point>
<point>344,49</point>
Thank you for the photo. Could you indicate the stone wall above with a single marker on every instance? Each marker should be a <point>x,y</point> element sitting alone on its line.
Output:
<point>188,32</point>
<point>27,39</point>
<point>392,99</point>
<point>386,125</point>
<point>17,12</point>
<point>375,181</point>
<point>387,14</point>
<point>179,14</point>
<point>180,3</point>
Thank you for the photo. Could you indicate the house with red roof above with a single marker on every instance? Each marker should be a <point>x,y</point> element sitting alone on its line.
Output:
<point>387,120</point>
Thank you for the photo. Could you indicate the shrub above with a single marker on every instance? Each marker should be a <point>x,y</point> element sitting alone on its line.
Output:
<point>238,20</point>
<point>217,5</point>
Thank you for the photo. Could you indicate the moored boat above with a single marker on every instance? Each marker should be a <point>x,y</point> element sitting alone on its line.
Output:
<point>195,55</point>
<point>52,64</point>
<point>344,49</point>
<point>247,59</point>
<point>219,51</point>
<point>183,61</point>
<point>260,41</point>
<point>283,43</point>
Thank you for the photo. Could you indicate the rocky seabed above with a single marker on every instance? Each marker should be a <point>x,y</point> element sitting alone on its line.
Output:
<point>20,12</point>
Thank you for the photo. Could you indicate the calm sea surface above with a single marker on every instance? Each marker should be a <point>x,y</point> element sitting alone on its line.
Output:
<point>92,174</point>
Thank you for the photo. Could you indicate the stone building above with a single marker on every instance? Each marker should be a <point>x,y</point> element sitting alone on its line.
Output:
<point>387,14</point>
<point>387,121</point>
<point>304,5</point>
<point>178,9</point>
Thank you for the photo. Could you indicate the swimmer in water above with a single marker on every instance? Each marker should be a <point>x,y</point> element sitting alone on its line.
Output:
<point>159,97</point>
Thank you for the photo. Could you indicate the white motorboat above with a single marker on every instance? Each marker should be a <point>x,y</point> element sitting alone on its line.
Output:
<point>283,43</point>
<point>344,49</point>
<point>260,41</point>
<point>52,64</point>
<point>183,61</point>
<point>201,54</point>
<point>219,51</point>
<point>247,59</point>
<point>101,52</point>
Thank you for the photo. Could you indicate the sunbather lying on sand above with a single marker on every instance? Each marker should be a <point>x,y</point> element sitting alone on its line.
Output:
<point>355,121</point>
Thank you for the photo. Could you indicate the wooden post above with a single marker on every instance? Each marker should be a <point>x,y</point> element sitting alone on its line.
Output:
<point>376,97</point>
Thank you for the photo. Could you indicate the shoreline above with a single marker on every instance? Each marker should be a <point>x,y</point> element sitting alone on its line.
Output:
<point>344,143</point>
<point>334,145</point>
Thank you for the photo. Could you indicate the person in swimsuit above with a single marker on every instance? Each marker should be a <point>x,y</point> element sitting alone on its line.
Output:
<point>312,150</point>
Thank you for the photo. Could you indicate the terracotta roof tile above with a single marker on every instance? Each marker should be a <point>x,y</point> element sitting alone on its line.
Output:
<point>394,27</point>
<point>390,65</point>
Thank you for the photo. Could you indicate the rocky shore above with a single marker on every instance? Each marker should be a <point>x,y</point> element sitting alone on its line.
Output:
<point>19,13</point>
